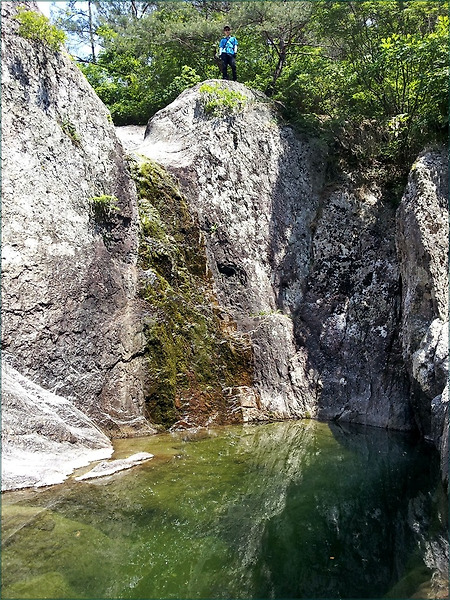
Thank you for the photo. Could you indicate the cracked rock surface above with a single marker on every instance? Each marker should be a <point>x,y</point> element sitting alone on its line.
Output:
<point>307,268</point>
<point>69,277</point>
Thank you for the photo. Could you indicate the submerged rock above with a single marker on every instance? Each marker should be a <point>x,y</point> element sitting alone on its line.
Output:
<point>114,466</point>
<point>44,436</point>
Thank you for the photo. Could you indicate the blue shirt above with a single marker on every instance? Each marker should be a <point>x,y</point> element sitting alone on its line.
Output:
<point>228,45</point>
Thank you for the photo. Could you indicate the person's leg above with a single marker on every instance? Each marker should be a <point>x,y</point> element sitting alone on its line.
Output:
<point>224,66</point>
<point>233,67</point>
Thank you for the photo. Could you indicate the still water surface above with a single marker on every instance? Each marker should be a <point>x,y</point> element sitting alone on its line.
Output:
<point>286,510</point>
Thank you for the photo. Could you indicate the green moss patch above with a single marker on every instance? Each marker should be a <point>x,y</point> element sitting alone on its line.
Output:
<point>34,538</point>
<point>191,354</point>
<point>218,101</point>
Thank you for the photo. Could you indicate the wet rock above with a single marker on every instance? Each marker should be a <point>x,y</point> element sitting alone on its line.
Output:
<point>114,466</point>
<point>246,402</point>
<point>44,436</point>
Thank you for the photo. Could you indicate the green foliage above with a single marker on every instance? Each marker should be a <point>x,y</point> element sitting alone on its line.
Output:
<point>190,356</point>
<point>70,130</point>
<point>34,26</point>
<point>386,61</point>
<point>121,86</point>
<point>187,79</point>
<point>330,65</point>
<point>218,101</point>
<point>103,207</point>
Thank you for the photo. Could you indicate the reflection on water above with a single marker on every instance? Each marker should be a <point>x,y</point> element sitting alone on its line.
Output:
<point>286,510</point>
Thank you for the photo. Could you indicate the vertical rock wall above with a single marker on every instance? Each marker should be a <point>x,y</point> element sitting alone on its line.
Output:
<point>69,274</point>
<point>308,269</point>
<point>350,317</point>
<point>422,240</point>
<point>254,186</point>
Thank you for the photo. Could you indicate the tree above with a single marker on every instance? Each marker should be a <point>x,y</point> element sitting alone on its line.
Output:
<point>282,29</point>
<point>390,62</point>
<point>326,62</point>
<point>80,23</point>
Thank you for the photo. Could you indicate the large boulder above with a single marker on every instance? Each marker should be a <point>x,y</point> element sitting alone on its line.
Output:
<point>254,186</point>
<point>309,270</point>
<point>44,436</point>
<point>69,236</point>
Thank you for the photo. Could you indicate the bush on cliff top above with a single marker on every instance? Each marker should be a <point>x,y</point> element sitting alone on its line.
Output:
<point>34,26</point>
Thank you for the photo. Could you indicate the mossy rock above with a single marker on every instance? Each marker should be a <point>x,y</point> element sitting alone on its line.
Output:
<point>190,358</point>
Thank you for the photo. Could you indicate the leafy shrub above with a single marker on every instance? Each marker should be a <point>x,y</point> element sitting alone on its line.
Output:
<point>218,101</point>
<point>34,26</point>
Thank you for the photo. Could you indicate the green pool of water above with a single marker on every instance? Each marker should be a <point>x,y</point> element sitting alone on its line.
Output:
<point>286,510</point>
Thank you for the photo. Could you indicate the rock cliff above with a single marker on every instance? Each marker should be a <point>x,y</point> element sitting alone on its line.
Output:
<point>257,289</point>
<point>69,272</point>
<point>422,240</point>
<point>342,294</point>
<point>105,300</point>
<point>255,189</point>
<point>307,268</point>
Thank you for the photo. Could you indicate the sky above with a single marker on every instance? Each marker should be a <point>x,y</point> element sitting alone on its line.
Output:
<point>72,44</point>
<point>45,7</point>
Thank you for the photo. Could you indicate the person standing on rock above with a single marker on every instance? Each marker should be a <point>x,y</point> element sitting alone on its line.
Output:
<point>227,52</point>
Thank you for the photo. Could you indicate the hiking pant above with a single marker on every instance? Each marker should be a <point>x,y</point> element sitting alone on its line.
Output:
<point>228,59</point>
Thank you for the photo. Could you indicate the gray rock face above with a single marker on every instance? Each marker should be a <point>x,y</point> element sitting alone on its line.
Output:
<point>422,240</point>
<point>280,241</point>
<point>44,436</point>
<point>69,274</point>
<point>255,188</point>
<point>350,317</point>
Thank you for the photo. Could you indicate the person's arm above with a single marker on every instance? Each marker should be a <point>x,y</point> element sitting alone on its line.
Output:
<point>221,46</point>
<point>235,45</point>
